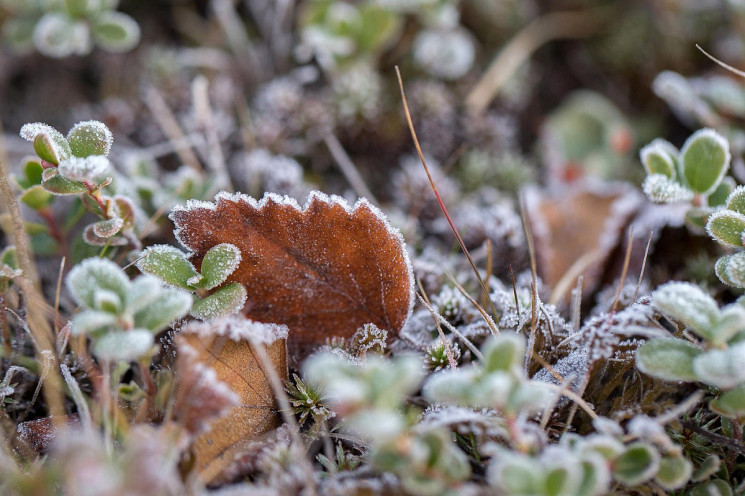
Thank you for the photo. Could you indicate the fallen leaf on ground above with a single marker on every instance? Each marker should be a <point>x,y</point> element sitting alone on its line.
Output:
<point>228,346</point>
<point>323,270</point>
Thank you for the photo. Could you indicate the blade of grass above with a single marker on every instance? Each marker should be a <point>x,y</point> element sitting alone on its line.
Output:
<point>436,192</point>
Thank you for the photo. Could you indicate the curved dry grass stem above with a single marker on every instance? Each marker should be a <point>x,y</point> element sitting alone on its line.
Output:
<point>437,193</point>
<point>38,310</point>
<point>550,27</point>
<point>719,62</point>
<point>625,270</point>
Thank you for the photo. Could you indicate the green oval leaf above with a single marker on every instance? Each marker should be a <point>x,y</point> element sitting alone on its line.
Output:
<point>668,359</point>
<point>89,138</point>
<point>225,301</point>
<point>638,464</point>
<point>169,264</point>
<point>218,263</point>
<point>726,226</point>
<point>704,159</point>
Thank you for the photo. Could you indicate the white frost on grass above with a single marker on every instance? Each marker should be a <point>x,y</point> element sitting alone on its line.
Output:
<point>239,329</point>
<point>84,169</point>
<point>659,188</point>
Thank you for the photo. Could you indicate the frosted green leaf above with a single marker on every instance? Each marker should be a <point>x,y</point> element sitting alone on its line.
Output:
<point>517,475</point>
<point>722,193</point>
<point>107,300</point>
<point>636,465</point>
<point>452,386</point>
<point>715,487</point>
<point>726,226</point>
<point>731,403</point>
<point>704,159</point>
<point>84,169</point>
<point>528,397</point>
<point>668,359</point>
<point>610,448</point>
<point>95,274</point>
<point>107,228</point>
<point>169,264</point>
<point>9,257</point>
<point>721,368</point>
<point>82,8</point>
<point>89,321</point>
<point>60,186</point>
<point>689,304</point>
<point>661,189</point>
<point>225,301</point>
<point>57,35</point>
<point>36,197</point>
<point>731,269</point>
<point>141,292</point>
<point>218,263</point>
<point>116,32</point>
<point>674,472</point>
<point>49,143</point>
<point>707,468</point>
<point>90,138</point>
<point>562,476</point>
<point>657,160</point>
<point>32,170</point>
<point>504,352</point>
<point>166,306</point>
<point>123,346</point>
<point>595,477</point>
<point>736,200</point>
<point>731,321</point>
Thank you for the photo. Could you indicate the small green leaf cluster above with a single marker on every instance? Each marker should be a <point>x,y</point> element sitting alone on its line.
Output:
<point>695,173</point>
<point>173,267</point>
<point>498,382</point>
<point>370,396</point>
<point>119,315</point>
<point>77,165</point>
<point>586,466</point>
<point>715,360</point>
<point>68,27</point>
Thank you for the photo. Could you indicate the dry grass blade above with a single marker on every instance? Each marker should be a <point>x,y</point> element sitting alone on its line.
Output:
<point>434,189</point>
<point>552,26</point>
<point>719,62</point>
<point>644,266</point>
<point>348,168</point>
<point>38,309</point>
<point>625,270</point>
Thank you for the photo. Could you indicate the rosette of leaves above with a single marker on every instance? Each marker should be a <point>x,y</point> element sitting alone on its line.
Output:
<point>77,165</point>
<point>369,396</point>
<point>119,315</point>
<point>694,174</point>
<point>69,27</point>
<point>715,359</point>
<point>498,382</point>
<point>213,298</point>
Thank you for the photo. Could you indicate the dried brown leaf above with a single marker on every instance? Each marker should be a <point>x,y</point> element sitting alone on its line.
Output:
<point>228,347</point>
<point>324,270</point>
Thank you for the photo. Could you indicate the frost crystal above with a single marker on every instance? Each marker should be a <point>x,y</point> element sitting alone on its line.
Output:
<point>31,130</point>
<point>84,169</point>
<point>660,188</point>
<point>239,329</point>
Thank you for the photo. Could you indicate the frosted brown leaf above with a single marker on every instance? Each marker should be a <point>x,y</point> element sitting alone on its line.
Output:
<point>323,270</point>
<point>228,347</point>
